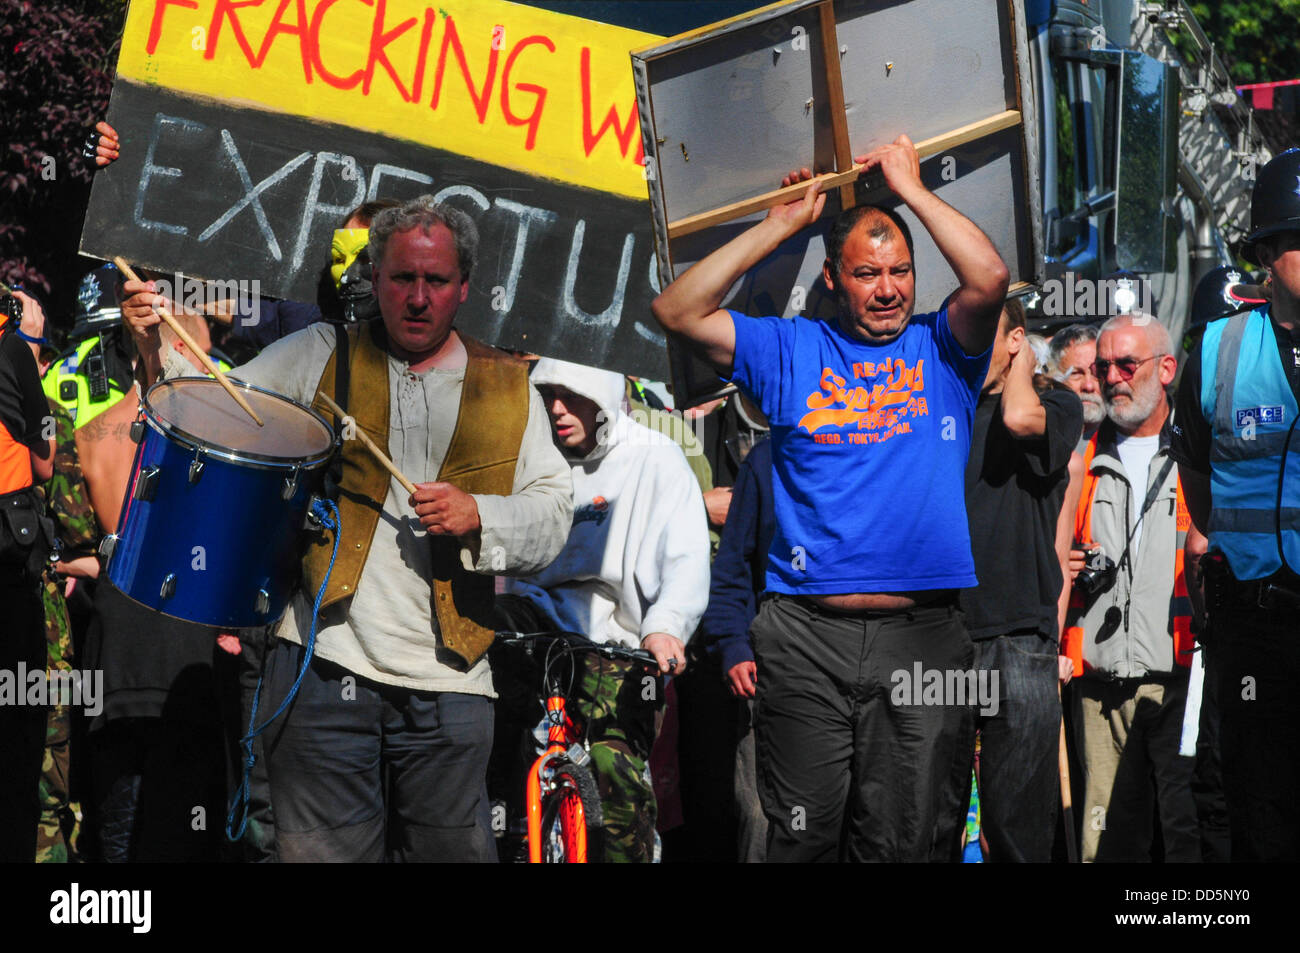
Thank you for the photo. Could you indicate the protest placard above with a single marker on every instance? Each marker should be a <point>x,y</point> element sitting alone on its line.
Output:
<point>249,129</point>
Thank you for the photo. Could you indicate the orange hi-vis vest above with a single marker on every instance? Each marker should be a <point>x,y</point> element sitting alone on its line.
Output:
<point>1181,605</point>
<point>15,456</point>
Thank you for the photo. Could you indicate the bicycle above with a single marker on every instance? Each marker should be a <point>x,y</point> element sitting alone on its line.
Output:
<point>561,799</point>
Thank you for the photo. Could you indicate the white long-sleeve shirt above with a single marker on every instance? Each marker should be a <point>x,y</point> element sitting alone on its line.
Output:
<point>387,632</point>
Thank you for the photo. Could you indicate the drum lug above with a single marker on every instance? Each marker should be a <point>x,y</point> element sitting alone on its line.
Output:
<point>310,522</point>
<point>263,602</point>
<point>146,485</point>
<point>107,545</point>
<point>290,485</point>
<point>137,431</point>
<point>168,586</point>
<point>196,467</point>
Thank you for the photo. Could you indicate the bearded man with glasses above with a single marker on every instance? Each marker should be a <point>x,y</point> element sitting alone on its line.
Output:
<point>1128,629</point>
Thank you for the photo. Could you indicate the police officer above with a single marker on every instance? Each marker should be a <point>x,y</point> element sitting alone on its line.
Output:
<point>1239,460</point>
<point>1221,292</point>
<point>96,372</point>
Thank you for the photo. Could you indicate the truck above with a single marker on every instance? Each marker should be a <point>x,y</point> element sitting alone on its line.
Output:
<point>1101,126</point>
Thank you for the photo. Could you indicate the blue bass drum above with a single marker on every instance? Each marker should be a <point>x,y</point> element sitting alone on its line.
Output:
<point>212,529</point>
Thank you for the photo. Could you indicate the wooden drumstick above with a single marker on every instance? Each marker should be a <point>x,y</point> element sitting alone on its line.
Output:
<point>370,445</point>
<point>190,343</point>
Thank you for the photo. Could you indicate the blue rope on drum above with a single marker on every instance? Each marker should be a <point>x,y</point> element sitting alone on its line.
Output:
<point>327,514</point>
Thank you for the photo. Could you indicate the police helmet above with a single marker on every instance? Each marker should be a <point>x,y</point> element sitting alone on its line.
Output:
<point>1222,292</point>
<point>1274,202</point>
<point>99,302</point>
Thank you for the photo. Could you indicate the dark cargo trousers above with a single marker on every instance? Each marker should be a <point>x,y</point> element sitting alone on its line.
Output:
<point>846,771</point>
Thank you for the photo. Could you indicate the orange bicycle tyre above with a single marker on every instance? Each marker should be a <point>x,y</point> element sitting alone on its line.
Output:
<point>571,817</point>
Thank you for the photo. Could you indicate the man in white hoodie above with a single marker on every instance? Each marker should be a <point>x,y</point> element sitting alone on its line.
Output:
<point>635,571</point>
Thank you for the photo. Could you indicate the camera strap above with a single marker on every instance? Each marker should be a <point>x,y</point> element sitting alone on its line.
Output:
<point>1152,492</point>
<point>1126,558</point>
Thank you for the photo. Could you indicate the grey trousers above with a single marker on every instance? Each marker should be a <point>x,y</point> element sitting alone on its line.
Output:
<point>363,772</point>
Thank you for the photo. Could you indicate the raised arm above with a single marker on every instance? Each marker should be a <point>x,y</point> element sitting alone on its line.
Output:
<point>1022,411</point>
<point>691,305</point>
<point>982,276</point>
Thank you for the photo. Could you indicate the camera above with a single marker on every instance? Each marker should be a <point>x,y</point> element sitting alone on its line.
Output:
<point>1098,572</point>
<point>12,309</point>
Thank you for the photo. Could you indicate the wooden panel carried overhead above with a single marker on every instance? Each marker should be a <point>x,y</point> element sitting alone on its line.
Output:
<point>727,110</point>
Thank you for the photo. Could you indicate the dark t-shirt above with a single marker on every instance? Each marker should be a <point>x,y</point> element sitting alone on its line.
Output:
<point>270,321</point>
<point>1190,443</point>
<point>1014,491</point>
<point>23,407</point>
<point>23,410</point>
<point>154,665</point>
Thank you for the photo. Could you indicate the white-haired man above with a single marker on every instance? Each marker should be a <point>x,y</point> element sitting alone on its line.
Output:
<point>1129,623</point>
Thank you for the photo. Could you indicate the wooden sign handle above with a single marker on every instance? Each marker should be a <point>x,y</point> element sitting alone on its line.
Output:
<point>830,180</point>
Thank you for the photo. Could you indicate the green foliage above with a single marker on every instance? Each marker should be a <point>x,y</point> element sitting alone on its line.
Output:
<point>56,70</point>
<point>1256,39</point>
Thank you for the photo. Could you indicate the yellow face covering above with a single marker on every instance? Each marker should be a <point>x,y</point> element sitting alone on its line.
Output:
<point>347,244</point>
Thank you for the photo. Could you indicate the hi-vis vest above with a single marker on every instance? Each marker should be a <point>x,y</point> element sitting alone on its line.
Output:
<point>480,459</point>
<point>1180,610</point>
<point>67,386</point>
<point>1246,397</point>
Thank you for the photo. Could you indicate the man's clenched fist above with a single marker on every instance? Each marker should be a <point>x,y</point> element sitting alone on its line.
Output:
<point>445,510</point>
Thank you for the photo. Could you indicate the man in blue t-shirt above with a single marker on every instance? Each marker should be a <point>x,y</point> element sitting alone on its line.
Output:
<point>862,754</point>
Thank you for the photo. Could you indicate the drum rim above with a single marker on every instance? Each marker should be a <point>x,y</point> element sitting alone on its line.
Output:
<point>222,452</point>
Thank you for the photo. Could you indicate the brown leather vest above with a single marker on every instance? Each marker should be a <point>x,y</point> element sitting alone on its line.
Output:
<point>480,459</point>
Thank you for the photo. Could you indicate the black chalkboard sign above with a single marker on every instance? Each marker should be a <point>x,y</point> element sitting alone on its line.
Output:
<point>240,194</point>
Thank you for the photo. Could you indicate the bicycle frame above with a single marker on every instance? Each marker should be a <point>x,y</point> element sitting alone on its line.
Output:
<point>558,737</point>
<point>560,790</point>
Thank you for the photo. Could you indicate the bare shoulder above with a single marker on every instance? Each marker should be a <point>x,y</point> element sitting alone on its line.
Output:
<point>109,431</point>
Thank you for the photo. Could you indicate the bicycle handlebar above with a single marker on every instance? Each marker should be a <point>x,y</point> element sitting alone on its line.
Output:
<point>575,642</point>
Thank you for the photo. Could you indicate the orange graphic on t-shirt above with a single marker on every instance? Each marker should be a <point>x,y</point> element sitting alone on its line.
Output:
<point>881,406</point>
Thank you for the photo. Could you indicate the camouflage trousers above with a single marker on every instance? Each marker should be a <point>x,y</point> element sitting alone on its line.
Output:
<point>60,817</point>
<point>618,707</point>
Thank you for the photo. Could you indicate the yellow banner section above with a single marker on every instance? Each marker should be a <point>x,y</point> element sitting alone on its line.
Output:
<point>515,86</point>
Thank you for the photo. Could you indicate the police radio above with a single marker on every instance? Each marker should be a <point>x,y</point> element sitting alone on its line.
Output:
<point>97,372</point>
